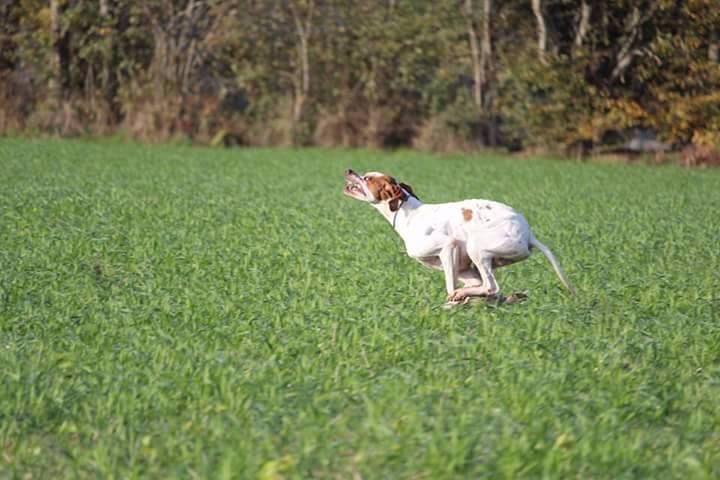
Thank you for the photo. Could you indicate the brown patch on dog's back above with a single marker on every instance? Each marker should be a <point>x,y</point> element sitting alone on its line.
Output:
<point>467,214</point>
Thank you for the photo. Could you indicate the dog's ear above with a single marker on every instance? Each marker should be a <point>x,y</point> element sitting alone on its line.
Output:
<point>394,195</point>
<point>409,189</point>
<point>387,189</point>
<point>394,204</point>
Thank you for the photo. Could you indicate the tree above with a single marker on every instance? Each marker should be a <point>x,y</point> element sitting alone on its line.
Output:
<point>544,73</point>
<point>302,15</point>
<point>537,9</point>
<point>481,55</point>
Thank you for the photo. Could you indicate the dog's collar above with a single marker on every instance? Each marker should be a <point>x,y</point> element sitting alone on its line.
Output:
<point>396,213</point>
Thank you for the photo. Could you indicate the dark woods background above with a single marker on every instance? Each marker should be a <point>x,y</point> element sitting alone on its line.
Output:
<point>572,76</point>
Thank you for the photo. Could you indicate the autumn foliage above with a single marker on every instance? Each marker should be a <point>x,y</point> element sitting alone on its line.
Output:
<point>570,76</point>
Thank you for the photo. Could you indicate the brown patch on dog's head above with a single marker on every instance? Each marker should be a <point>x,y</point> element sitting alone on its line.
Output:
<point>467,214</point>
<point>386,189</point>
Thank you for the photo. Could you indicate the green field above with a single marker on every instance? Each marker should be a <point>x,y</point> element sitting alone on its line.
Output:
<point>177,312</point>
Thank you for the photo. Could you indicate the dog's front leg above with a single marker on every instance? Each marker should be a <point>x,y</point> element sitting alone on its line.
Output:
<point>445,248</point>
<point>449,259</point>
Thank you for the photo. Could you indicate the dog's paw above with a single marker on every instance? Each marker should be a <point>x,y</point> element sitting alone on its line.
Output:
<point>459,295</point>
<point>455,303</point>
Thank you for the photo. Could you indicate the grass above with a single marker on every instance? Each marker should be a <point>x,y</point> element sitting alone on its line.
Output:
<point>176,312</point>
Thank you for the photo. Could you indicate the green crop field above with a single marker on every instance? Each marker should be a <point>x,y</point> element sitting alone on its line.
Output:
<point>177,312</point>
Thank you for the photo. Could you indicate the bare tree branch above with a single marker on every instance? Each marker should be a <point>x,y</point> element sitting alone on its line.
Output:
<point>304,30</point>
<point>541,29</point>
<point>474,53</point>
<point>583,24</point>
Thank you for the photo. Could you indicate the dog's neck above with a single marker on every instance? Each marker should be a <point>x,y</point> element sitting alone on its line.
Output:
<point>401,218</point>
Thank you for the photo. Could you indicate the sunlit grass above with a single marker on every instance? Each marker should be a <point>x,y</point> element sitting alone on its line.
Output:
<point>182,312</point>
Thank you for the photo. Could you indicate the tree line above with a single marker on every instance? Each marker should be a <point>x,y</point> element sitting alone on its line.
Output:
<point>564,75</point>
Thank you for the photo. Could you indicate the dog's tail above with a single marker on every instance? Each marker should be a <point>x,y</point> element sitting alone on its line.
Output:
<point>534,242</point>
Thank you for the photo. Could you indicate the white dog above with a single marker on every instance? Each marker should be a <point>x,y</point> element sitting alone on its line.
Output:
<point>467,240</point>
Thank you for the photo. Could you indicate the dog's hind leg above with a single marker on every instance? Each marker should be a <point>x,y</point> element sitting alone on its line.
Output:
<point>482,256</point>
<point>489,286</point>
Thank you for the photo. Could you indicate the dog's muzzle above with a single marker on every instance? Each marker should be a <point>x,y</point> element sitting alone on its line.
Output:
<point>352,183</point>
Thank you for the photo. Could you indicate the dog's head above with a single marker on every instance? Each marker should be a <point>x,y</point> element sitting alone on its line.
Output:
<point>376,187</point>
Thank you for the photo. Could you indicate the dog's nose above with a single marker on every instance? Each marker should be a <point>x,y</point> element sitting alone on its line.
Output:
<point>349,171</point>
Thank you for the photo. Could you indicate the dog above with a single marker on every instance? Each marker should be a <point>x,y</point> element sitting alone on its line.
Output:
<point>467,240</point>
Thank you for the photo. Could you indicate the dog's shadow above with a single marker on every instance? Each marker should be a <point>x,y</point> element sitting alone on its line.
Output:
<point>498,300</point>
<point>492,301</point>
